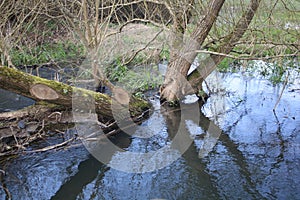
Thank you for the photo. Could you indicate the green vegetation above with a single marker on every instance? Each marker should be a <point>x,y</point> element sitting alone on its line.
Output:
<point>117,71</point>
<point>273,31</point>
<point>136,79</point>
<point>141,81</point>
<point>226,65</point>
<point>165,54</point>
<point>45,53</point>
<point>270,33</point>
<point>275,71</point>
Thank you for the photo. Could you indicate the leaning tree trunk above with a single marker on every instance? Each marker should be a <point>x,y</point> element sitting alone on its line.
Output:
<point>177,84</point>
<point>209,65</point>
<point>54,92</point>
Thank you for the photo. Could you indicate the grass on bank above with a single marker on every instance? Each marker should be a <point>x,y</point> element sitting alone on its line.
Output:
<point>46,53</point>
<point>139,80</point>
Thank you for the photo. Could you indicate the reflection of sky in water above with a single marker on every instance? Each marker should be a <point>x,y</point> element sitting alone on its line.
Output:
<point>257,157</point>
<point>269,142</point>
<point>10,101</point>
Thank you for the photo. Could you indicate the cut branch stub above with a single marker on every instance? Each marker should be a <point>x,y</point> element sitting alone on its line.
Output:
<point>64,95</point>
<point>121,96</point>
<point>43,92</point>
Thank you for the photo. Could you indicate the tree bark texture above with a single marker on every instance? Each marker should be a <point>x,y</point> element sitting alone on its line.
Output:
<point>183,54</point>
<point>197,76</point>
<point>58,93</point>
<point>181,60</point>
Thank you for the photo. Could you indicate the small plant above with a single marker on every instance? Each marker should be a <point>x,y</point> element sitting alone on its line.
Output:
<point>165,54</point>
<point>139,95</point>
<point>201,93</point>
<point>277,73</point>
<point>117,71</point>
<point>225,65</point>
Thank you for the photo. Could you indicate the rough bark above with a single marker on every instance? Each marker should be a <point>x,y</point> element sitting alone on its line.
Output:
<point>198,75</point>
<point>183,53</point>
<point>53,92</point>
<point>172,89</point>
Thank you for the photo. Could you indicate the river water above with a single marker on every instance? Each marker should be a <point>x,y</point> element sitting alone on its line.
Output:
<point>240,149</point>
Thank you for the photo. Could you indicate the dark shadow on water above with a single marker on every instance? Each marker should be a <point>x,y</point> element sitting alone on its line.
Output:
<point>87,172</point>
<point>200,182</point>
<point>254,157</point>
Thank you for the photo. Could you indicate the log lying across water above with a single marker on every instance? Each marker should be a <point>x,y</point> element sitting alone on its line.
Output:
<point>53,92</point>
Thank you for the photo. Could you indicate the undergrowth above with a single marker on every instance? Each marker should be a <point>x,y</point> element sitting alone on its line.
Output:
<point>45,53</point>
<point>276,71</point>
<point>136,79</point>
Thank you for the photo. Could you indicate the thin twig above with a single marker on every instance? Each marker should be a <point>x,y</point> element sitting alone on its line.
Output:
<point>51,147</point>
<point>141,49</point>
<point>246,57</point>
<point>284,85</point>
<point>14,135</point>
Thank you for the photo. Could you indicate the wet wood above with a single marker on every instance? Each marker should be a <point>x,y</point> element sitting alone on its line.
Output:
<point>43,92</point>
<point>57,93</point>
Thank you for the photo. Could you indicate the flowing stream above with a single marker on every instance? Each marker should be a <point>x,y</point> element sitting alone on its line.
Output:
<point>240,149</point>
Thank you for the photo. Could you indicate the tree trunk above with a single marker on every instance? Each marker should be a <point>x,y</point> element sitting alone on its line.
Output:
<point>207,66</point>
<point>173,89</point>
<point>183,54</point>
<point>53,92</point>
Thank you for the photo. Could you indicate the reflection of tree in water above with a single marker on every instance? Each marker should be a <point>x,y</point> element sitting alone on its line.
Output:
<point>190,173</point>
<point>87,172</point>
<point>174,118</point>
<point>280,157</point>
<point>191,155</point>
<point>260,156</point>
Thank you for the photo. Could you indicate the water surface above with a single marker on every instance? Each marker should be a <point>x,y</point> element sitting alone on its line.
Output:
<point>240,149</point>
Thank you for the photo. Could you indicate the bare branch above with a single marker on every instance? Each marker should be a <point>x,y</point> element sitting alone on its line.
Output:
<point>247,56</point>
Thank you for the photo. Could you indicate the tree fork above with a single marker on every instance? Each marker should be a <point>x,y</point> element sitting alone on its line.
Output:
<point>183,54</point>
<point>198,75</point>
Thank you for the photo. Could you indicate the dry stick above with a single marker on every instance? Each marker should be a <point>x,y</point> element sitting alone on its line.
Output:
<point>246,57</point>
<point>284,85</point>
<point>14,135</point>
<point>139,50</point>
<point>42,128</point>
<point>51,147</point>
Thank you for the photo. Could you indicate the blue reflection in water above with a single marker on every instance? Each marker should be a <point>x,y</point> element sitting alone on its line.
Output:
<point>256,156</point>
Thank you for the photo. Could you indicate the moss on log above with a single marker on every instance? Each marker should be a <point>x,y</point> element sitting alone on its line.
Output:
<point>40,89</point>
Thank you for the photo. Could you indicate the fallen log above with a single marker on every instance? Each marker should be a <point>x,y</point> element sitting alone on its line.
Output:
<point>56,106</point>
<point>57,93</point>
